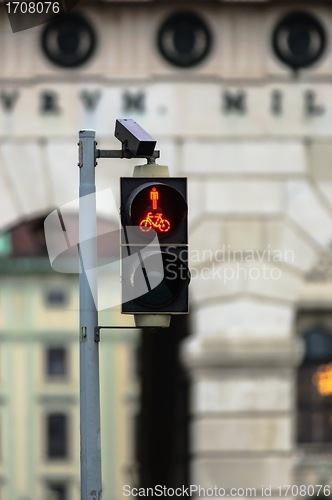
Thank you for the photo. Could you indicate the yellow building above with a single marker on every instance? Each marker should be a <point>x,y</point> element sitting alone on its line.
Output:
<point>40,379</point>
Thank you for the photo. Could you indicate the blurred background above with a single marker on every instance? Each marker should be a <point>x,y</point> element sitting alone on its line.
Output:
<point>239,393</point>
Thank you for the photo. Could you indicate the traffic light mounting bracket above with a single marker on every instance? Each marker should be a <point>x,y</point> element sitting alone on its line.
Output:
<point>133,136</point>
<point>119,327</point>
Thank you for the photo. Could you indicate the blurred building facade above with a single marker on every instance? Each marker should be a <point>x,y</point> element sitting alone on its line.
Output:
<point>238,96</point>
<point>40,377</point>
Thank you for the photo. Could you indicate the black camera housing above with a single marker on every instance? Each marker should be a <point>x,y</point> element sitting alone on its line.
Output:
<point>134,138</point>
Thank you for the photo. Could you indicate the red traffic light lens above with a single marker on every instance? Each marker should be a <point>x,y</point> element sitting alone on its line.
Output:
<point>156,206</point>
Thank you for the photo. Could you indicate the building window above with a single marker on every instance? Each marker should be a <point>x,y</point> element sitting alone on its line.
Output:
<point>57,445</point>
<point>56,491</point>
<point>299,40</point>
<point>68,40</point>
<point>56,298</point>
<point>56,361</point>
<point>184,39</point>
<point>5,244</point>
<point>315,389</point>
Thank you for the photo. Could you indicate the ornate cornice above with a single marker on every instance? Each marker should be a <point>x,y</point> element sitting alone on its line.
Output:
<point>214,354</point>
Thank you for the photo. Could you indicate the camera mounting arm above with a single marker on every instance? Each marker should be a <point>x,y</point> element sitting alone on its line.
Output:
<point>120,153</point>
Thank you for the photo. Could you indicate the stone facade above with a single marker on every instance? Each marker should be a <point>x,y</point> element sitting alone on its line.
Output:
<point>259,195</point>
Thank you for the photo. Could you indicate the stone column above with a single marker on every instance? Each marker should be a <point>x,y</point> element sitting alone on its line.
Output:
<point>243,408</point>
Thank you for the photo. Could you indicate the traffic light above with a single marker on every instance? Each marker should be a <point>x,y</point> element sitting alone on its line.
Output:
<point>154,242</point>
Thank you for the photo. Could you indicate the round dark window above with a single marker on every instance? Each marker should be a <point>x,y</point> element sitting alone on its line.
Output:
<point>184,39</point>
<point>69,40</point>
<point>299,40</point>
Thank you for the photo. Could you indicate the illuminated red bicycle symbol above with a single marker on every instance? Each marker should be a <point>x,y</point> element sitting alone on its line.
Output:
<point>156,221</point>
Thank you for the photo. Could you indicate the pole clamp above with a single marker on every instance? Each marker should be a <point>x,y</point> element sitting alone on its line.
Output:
<point>97,333</point>
<point>83,333</point>
<point>80,154</point>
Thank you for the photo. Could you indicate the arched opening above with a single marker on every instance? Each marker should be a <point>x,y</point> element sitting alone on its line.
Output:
<point>27,239</point>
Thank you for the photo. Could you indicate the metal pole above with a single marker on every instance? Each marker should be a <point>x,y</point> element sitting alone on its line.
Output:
<point>91,488</point>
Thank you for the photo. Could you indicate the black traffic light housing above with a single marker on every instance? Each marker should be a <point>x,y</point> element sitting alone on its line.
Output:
<point>154,239</point>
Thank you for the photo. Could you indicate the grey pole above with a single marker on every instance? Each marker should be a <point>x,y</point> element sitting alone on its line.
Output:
<point>91,488</point>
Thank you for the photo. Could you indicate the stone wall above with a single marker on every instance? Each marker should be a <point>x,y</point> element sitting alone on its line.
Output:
<point>254,140</point>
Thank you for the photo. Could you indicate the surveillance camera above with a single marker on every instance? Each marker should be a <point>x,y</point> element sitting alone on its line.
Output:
<point>134,138</point>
